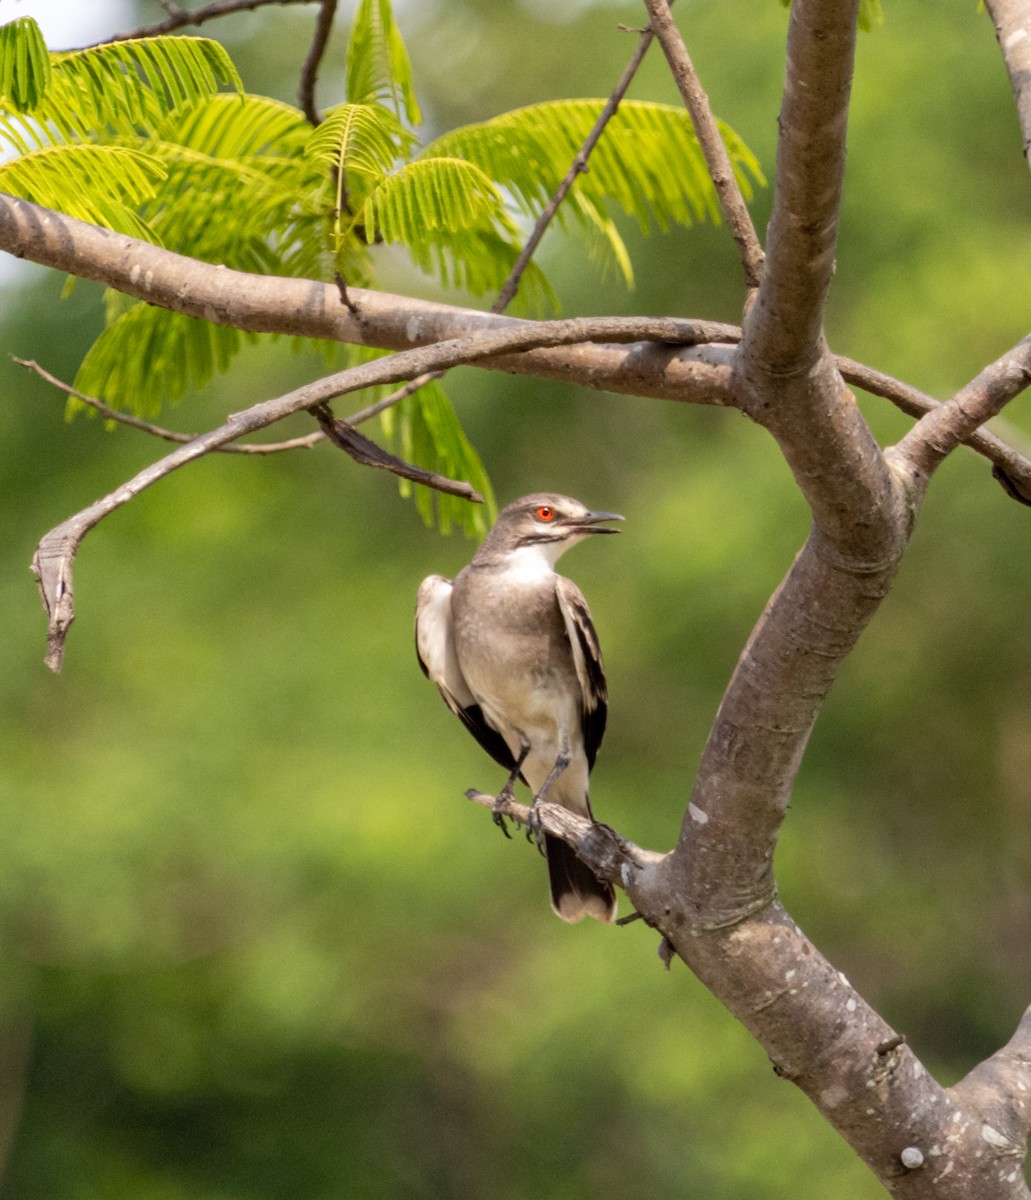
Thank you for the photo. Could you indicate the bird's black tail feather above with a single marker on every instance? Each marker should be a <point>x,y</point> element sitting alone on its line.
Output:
<point>576,892</point>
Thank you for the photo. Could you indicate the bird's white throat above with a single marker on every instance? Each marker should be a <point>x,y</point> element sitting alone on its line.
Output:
<point>534,563</point>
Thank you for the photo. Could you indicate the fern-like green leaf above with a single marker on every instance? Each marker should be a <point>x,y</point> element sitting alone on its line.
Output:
<point>100,184</point>
<point>122,88</point>
<point>356,144</point>
<point>425,431</point>
<point>360,139</point>
<point>378,67</point>
<point>230,126</point>
<point>24,64</point>
<point>648,160</point>
<point>427,195</point>
<point>148,355</point>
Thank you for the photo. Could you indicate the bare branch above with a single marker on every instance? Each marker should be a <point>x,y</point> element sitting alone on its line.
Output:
<point>579,164</point>
<point>168,435</point>
<point>732,203</point>
<point>1010,458</point>
<point>52,564</point>
<point>784,332</point>
<point>302,307</point>
<point>1012,20</point>
<point>182,18</point>
<point>937,434</point>
<point>785,378</point>
<point>609,854</point>
<point>363,450</point>
<point>1000,1087</point>
<point>310,70</point>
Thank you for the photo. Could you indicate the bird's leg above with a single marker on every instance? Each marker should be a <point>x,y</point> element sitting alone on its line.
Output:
<point>533,825</point>
<point>508,790</point>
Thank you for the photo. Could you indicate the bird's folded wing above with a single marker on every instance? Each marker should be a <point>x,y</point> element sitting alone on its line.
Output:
<point>435,647</point>
<point>590,672</point>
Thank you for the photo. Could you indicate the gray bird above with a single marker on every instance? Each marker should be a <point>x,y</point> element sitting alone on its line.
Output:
<point>513,651</point>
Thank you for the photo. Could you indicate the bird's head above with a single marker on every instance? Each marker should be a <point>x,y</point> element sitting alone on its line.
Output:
<point>544,525</point>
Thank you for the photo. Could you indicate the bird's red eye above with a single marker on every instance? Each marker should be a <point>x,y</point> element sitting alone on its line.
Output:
<point>545,512</point>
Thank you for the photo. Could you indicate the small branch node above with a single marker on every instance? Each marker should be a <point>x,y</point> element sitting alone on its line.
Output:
<point>345,299</point>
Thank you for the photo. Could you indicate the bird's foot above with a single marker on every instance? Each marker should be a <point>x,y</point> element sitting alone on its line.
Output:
<point>497,810</point>
<point>534,828</point>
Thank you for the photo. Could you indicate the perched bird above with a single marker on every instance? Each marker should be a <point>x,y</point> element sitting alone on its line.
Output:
<point>512,649</point>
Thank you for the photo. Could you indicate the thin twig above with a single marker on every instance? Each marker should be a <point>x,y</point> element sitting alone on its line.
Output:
<point>366,452</point>
<point>158,431</point>
<point>579,164</point>
<point>310,70</point>
<point>732,202</point>
<point>181,18</point>
<point>1010,455</point>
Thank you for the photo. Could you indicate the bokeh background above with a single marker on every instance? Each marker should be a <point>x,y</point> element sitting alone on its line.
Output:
<point>254,944</point>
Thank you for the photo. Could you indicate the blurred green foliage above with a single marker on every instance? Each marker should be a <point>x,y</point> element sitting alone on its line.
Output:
<point>255,945</point>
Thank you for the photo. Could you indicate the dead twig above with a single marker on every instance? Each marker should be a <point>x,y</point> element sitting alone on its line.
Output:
<point>365,451</point>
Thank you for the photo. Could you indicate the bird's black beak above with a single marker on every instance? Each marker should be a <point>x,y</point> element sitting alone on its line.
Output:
<point>592,522</point>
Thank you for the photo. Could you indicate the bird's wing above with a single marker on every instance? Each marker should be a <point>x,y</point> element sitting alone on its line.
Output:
<point>435,647</point>
<point>590,672</point>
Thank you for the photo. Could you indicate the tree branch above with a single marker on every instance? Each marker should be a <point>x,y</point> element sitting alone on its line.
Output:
<point>1000,1087</point>
<point>785,378</point>
<point>167,435</point>
<point>1012,21</point>
<point>784,332</point>
<point>732,203</point>
<point>52,563</point>
<point>938,433</point>
<point>310,69</point>
<point>181,18</point>
<point>305,308</point>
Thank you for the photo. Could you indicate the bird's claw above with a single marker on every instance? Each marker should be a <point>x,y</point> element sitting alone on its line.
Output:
<point>497,810</point>
<point>534,828</point>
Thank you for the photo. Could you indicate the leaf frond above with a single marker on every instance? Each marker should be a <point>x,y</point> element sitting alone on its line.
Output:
<point>648,161</point>
<point>100,184</point>
<point>24,64</point>
<point>378,67</point>
<point>148,356</point>
<point>426,431</point>
<point>430,195</point>
<point>362,139</point>
<point>121,88</point>
<point>226,125</point>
